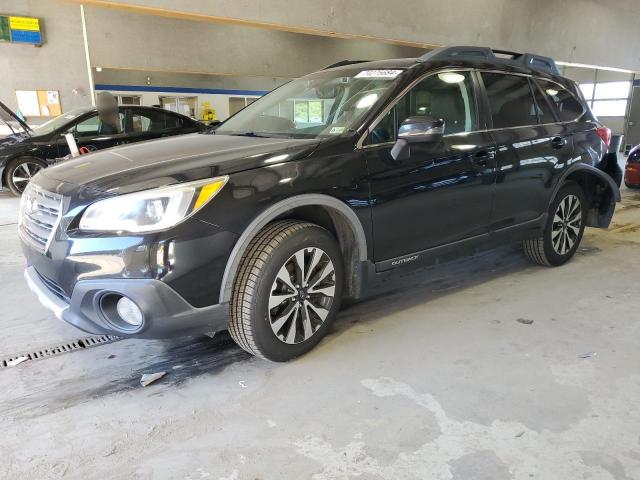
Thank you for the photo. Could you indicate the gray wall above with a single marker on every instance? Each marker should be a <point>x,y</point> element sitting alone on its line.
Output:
<point>58,65</point>
<point>581,31</point>
<point>220,50</point>
<point>177,79</point>
<point>122,39</point>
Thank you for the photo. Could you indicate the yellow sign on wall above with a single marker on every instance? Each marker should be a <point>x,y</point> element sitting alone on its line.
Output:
<point>24,23</point>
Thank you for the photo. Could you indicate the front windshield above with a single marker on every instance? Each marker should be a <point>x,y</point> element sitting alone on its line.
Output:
<point>48,127</point>
<point>327,103</point>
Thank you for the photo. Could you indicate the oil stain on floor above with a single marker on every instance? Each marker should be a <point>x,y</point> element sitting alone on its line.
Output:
<point>182,359</point>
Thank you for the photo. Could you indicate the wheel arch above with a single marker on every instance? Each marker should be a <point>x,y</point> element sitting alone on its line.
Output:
<point>600,190</point>
<point>323,210</point>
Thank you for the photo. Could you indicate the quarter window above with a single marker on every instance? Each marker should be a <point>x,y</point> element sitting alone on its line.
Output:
<point>567,105</point>
<point>510,100</point>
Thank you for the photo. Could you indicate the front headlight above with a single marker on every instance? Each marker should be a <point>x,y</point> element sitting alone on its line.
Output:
<point>151,210</point>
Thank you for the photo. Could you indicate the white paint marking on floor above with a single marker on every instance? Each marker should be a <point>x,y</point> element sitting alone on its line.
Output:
<point>545,454</point>
<point>235,475</point>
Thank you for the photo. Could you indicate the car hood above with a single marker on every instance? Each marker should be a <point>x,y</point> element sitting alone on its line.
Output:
<point>13,122</point>
<point>15,140</point>
<point>172,160</point>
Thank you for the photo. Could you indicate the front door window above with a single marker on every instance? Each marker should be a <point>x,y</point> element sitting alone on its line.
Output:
<point>447,96</point>
<point>96,125</point>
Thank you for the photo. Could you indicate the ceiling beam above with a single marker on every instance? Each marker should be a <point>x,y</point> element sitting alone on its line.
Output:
<point>200,17</point>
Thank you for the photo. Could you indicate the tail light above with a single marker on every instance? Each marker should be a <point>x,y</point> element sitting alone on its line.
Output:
<point>605,134</point>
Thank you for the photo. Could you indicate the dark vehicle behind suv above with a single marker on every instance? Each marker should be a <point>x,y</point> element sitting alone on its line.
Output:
<point>263,226</point>
<point>632,169</point>
<point>28,150</point>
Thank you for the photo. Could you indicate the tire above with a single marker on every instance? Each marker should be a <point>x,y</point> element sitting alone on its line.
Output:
<point>269,268</point>
<point>23,168</point>
<point>560,240</point>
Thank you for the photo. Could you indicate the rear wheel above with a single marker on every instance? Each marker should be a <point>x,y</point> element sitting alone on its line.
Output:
<point>564,229</point>
<point>287,290</point>
<point>20,171</point>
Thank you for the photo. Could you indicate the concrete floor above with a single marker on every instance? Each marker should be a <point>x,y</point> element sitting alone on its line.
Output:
<point>434,379</point>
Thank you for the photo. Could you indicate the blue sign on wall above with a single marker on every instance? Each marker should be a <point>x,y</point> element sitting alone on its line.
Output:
<point>20,30</point>
<point>26,36</point>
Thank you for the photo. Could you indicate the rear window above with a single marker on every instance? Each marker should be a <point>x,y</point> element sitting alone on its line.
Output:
<point>510,99</point>
<point>141,121</point>
<point>567,106</point>
<point>173,121</point>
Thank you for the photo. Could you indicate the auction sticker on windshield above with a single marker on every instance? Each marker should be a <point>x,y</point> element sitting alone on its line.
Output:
<point>383,74</point>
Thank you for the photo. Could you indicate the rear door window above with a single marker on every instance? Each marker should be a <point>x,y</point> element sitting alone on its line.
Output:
<point>510,99</point>
<point>567,106</point>
<point>173,121</point>
<point>146,121</point>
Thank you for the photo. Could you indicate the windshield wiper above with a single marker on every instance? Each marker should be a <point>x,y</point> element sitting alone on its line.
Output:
<point>249,134</point>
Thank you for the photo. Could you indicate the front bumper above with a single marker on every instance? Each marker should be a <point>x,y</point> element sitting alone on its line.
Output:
<point>166,313</point>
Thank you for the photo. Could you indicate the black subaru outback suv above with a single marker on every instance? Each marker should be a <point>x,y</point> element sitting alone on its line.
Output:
<point>313,192</point>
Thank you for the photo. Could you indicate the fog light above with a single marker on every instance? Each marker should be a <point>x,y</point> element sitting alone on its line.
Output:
<point>129,312</point>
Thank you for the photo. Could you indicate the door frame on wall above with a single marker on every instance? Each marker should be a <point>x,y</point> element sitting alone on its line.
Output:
<point>191,102</point>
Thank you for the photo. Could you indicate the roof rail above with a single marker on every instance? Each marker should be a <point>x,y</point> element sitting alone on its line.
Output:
<point>342,63</point>
<point>529,60</point>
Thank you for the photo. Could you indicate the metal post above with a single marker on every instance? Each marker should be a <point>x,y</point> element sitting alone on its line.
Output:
<point>86,54</point>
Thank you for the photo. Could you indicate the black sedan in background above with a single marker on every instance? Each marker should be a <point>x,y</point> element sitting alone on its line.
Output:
<point>26,150</point>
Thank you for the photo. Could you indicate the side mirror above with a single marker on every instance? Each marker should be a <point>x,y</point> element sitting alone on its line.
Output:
<point>421,129</point>
<point>418,129</point>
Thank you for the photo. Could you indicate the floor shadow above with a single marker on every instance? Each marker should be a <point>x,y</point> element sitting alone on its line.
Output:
<point>403,291</point>
<point>188,358</point>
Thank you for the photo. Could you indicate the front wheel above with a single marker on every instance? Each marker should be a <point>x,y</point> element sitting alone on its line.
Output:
<point>287,290</point>
<point>564,229</point>
<point>20,171</point>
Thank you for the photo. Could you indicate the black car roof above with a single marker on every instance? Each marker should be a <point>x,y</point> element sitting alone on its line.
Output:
<point>143,107</point>
<point>155,109</point>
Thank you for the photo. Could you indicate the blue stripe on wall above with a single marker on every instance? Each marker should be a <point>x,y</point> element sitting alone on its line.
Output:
<point>151,88</point>
<point>636,83</point>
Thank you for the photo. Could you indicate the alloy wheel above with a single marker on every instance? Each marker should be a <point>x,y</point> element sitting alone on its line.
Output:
<point>567,222</point>
<point>301,295</point>
<point>23,173</point>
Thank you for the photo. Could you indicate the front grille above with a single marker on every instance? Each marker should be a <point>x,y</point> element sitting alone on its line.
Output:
<point>40,213</point>
<point>54,288</point>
